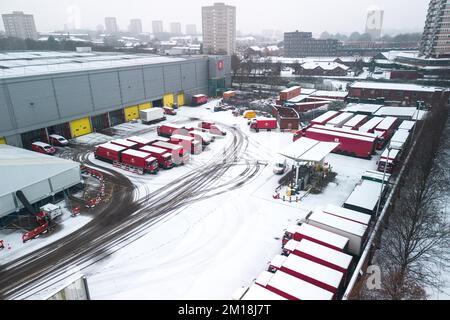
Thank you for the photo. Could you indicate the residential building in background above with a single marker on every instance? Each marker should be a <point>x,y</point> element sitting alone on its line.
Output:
<point>219,29</point>
<point>157,26</point>
<point>302,44</point>
<point>175,28</point>
<point>436,34</point>
<point>374,22</point>
<point>191,29</point>
<point>135,26</point>
<point>111,25</point>
<point>20,25</point>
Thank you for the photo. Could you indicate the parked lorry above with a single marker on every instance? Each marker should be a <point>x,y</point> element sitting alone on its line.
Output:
<point>385,130</point>
<point>125,143</point>
<point>51,211</point>
<point>309,271</point>
<point>370,125</point>
<point>109,152</point>
<point>179,154</point>
<point>388,159</point>
<point>164,158</point>
<point>212,128</point>
<point>152,115</point>
<point>187,142</point>
<point>249,114</point>
<point>263,124</point>
<point>141,160</point>
<point>356,122</point>
<point>42,147</point>
<point>317,235</point>
<point>348,214</point>
<point>170,111</point>
<point>349,144</point>
<point>57,140</point>
<point>365,196</point>
<point>339,120</point>
<point>199,99</point>
<point>204,138</point>
<point>166,130</point>
<point>355,232</point>
<point>141,142</point>
<point>324,118</point>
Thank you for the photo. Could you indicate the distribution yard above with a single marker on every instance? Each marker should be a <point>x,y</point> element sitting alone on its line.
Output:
<point>198,231</point>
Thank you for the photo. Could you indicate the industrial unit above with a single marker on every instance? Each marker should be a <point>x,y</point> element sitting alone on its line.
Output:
<point>73,93</point>
<point>37,176</point>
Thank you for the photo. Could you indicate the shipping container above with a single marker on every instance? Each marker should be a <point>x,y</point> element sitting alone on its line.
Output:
<point>349,144</point>
<point>317,235</point>
<point>291,287</point>
<point>164,158</point>
<point>290,93</point>
<point>309,271</point>
<point>141,160</point>
<point>268,124</point>
<point>199,99</point>
<point>179,154</point>
<point>355,232</point>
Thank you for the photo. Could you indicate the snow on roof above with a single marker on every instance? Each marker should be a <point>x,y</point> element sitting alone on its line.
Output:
<point>136,153</point>
<point>346,130</point>
<point>167,145</point>
<point>305,149</point>
<point>397,111</point>
<point>153,149</point>
<point>139,140</point>
<point>348,214</point>
<point>264,278</point>
<point>256,292</point>
<point>337,94</point>
<point>181,137</point>
<point>393,153</point>
<point>376,176</point>
<point>340,119</point>
<point>323,65</point>
<point>308,91</point>
<point>322,235</point>
<point>41,144</point>
<point>113,147</point>
<point>341,134</point>
<point>324,117</point>
<point>124,142</point>
<point>199,95</point>
<point>339,223</point>
<point>407,125</point>
<point>298,99</point>
<point>332,256</point>
<point>277,261</point>
<point>393,86</point>
<point>362,107</point>
<point>400,136</point>
<point>365,195</point>
<point>313,270</point>
<point>371,124</point>
<point>291,89</point>
<point>300,289</point>
<point>419,115</point>
<point>255,48</point>
<point>355,120</point>
<point>386,124</point>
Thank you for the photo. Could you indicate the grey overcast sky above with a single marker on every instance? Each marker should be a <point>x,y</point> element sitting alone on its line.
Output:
<point>252,15</point>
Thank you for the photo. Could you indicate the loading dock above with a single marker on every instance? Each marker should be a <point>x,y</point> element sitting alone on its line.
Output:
<point>180,99</point>
<point>62,129</point>
<point>80,127</point>
<point>100,122</point>
<point>145,106</point>
<point>116,117</point>
<point>131,113</point>
<point>32,136</point>
<point>159,103</point>
<point>168,100</point>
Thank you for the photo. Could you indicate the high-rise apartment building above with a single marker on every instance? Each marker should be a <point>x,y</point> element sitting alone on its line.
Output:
<point>111,25</point>
<point>219,29</point>
<point>157,27</point>
<point>436,34</point>
<point>135,26</point>
<point>19,25</point>
<point>175,28</point>
<point>191,29</point>
<point>302,44</point>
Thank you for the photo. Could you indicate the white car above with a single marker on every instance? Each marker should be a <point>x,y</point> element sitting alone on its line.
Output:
<point>280,167</point>
<point>57,140</point>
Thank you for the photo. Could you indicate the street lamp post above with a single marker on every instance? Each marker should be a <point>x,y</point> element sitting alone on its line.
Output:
<point>382,182</point>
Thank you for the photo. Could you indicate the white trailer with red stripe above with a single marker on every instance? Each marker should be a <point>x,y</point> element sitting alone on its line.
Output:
<point>348,214</point>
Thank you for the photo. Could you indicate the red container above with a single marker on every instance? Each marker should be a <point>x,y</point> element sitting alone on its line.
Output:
<point>109,152</point>
<point>263,124</point>
<point>351,145</point>
<point>164,158</point>
<point>199,99</point>
<point>166,130</point>
<point>140,160</point>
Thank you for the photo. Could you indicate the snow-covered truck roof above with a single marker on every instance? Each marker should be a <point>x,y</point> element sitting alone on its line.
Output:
<point>340,119</point>
<point>362,108</point>
<point>365,195</point>
<point>256,292</point>
<point>137,153</point>
<point>336,222</point>
<point>355,121</point>
<point>371,124</point>
<point>386,124</point>
<point>346,130</point>
<point>407,125</point>
<point>400,136</point>
<point>342,134</point>
<point>124,142</point>
<point>376,176</point>
<point>324,236</point>
<point>334,257</point>
<point>139,140</point>
<point>153,149</point>
<point>348,214</point>
<point>113,147</point>
<point>389,154</point>
<point>324,117</point>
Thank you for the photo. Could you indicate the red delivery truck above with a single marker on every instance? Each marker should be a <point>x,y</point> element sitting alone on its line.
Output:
<point>187,142</point>
<point>199,99</point>
<point>324,118</point>
<point>263,124</point>
<point>141,160</point>
<point>370,125</point>
<point>355,122</point>
<point>212,128</point>
<point>109,152</point>
<point>309,271</point>
<point>125,143</point>
<point>345,130</point>
<point>42,147</point>
<point>141,142</point>
<point>164,158</point>
<point>389,158</point>
<point>385,130</point>
<point>318,253</point>
<point>349,144</point>
<point>166,130</point>
<point>203,137</point>
<point>290,287</point>
<point>317,235</point>
<point>179,154</point>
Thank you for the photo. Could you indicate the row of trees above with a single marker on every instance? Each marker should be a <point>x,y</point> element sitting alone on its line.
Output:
<point>356,36</point>
<point>414,245</point>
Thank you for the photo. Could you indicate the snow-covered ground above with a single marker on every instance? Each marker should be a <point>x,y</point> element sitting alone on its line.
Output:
<point>212,247</point>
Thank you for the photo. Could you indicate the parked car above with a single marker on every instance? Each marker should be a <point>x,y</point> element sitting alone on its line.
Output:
<point>169,111</point>
<point>42,147</point>
<point>57,140</point>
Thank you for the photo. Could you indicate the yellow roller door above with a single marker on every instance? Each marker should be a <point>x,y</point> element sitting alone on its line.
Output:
<point>2,140</point>
<point>131,113</point>
<point>168,100</point>
<point>144,106</point>
<point>180,99</point>
<point>80,127</point>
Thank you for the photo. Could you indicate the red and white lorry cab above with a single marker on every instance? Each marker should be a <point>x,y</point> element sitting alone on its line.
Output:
<point>200,136</point>
<point>164,158</point>
<point>42,147</point>
<point>170,111</point>
<point>167,130</point>
<point>268,124</point>
<point>179,154</point>
<point>141,160</point>
<point>187,142</point>
<point>57,140</point>
<point>212,128</point>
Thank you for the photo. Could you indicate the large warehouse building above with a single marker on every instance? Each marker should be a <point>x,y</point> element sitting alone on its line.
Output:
<point>38,176</point>
<point>73,94</point>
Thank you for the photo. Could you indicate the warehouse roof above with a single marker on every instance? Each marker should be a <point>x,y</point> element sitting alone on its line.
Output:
<point>22,168</point>
<point>362,107</point>
<point>21,64</point>
<point>393,86</point>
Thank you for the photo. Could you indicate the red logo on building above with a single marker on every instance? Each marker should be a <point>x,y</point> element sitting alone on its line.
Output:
<point>220,65</point>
